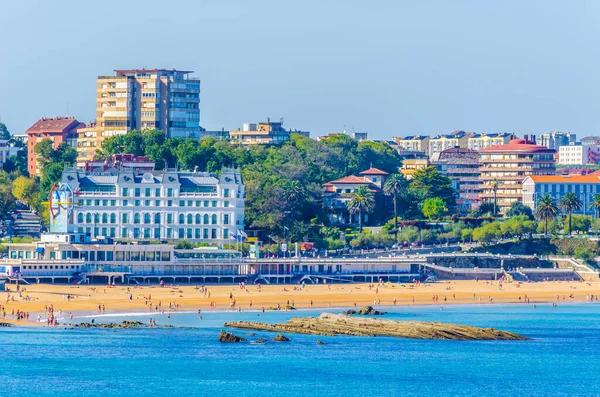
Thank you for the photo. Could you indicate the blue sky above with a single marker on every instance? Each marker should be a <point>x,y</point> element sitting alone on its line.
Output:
<point>391,68</point>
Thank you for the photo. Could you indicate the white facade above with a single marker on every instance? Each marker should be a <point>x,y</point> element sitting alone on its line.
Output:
<point>584,187</point>
<point>579,154</point>
<point>157,205</point>
<point>7,151</point>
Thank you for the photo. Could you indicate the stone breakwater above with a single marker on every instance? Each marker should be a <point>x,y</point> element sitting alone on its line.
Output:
<point>339,324</point>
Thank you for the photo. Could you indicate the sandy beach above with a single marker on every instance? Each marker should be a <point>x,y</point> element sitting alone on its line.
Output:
<point>96,299</point>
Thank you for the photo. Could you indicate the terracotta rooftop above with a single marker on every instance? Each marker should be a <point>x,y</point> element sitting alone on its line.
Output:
<point>374,171</point>
<point>57,124</point>
<point>590,178</point>
<point>350,180</point>
<point>517,146</point>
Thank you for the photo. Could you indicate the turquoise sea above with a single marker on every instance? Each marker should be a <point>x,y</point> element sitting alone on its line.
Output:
<point>563,359</point>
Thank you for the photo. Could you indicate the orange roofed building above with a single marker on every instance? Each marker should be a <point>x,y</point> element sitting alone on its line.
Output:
<point>58,130</point>
<point>584,187</point>
<point>337,193</point>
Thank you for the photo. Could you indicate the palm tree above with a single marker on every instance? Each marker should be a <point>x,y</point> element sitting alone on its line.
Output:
<point>596,204</point>
<point>361,200</point>
<point>392,186</point>
<point>495,190</point>
<point>570,202</point>
<point>546,209</point>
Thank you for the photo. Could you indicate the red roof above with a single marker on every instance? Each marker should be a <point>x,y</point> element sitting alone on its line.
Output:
<point>374,171</point>
<point>58,124</point>
<point>517,146</point>
<point>350,180</point>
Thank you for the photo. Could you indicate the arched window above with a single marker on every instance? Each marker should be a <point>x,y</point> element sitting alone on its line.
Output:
<point>157,218</point>
<point>104,218</point>
<point>96,218</point>
<point>147,218</point>
<point>198,219</point>
<point>214,219</point>
<point>80,218</point>
<point>190,219</point>
<point>206,219</point>
<point>136,218</point>
<point>113,218</point>
<point>181,219</point>
<point>88,218</point>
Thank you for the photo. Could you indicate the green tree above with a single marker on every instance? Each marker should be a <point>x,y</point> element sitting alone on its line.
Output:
<point>570,202</point>
<point>361,201</point>
<point>430,183</point>
<point>517,208</point>
<point>546,210</point>
<point>4,133</point>
<point>596,204</point>
<point>487,232</point>
<point>26,190</point>
<point>495,190</point>
<point>580,223</point>
<point>395,184</point>
<point>434,208</point>
<point>466,235</point>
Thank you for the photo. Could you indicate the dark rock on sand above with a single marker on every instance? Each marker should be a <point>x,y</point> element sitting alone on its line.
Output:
<point>227,337</point>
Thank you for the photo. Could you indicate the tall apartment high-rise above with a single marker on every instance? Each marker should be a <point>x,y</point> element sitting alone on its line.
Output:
<point>556,139</point>
<point>166,100</point>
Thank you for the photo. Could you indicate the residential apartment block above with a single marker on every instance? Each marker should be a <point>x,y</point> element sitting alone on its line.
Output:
<point>263,133</point>
<point>448,141</point>
<point>461,165</point>
<point>584,186</point>
<point>504,167</point>
<point>158,205</point>
<point>556,139</point>
<point>579,154</point>
<point>481,141</point>
<point>58,130</point>
<point>414,143</point>
<point>167,100</point>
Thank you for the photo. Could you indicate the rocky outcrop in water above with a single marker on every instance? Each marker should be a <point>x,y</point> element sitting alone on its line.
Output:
<point>124,324</point>
<point>281,338</point>
<point>339,324</point>
<point>227,337</point>
<point>365,311</point>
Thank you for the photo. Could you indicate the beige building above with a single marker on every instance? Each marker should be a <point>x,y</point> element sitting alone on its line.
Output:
<point>87,143</point>
<point>415,143</point>
<point>504,167</point>
<point>411,164</point>
<point>166,100</point>
<point>442,142</point>
<point>481,141</point>
<point>263,133</point>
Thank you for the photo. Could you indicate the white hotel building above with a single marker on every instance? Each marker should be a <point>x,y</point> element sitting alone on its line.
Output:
<point>158,205</point>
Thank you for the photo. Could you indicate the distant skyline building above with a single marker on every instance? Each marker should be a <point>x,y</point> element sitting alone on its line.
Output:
<point>263,133</point>
<point>440,143</point>
<point>579,154</point>
<point>57,129</point>
<point>413,143</point>
<point>480,141</point>
<point>556,139</point>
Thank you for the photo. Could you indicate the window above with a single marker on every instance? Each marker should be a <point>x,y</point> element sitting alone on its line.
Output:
<point>157,203</point>
<point>157,233</point>
<point>137,192</point>
<point>80,218</point>
<point>157,218</point>
<point>225,192</point>
<point>104,218</point>
<point>214,203</point>
<point>213,233</point>
<point>88,218</point>
<point>226,204</point>
<point>226,219</point>
<point>170,219</point>
<point>170,192</point>
<point>190,203</point>
<point>181,203</point>
<point>225,233</point>
<point>206,219</point>
<point>198,219</point>
<point>137,203</point>
<point>189,219</point>
<point>206,203</point>
<point>147,219</point>
<point>205,233</point>
<point>169,233</point>
<point>96,202</point>
<point>104,203</point>
<point>125,218</point>
<point>169,203</point>
<point>96,218</point>
<point>181,233</point>
<point>189,233</point>
<point>157,192</point>
<point>197,233</point>
<point>147,203</point>
<point>125,203</point>
<point>147,192</point>
<point>124,232</point>
<point>113,232</point>
<point>198,203</point>
<point>136,219</point>
<point>214,219</point>
<point>146,232</point>
<point>181,219</point>
<point>113,218</point>
<point>125,192</point>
